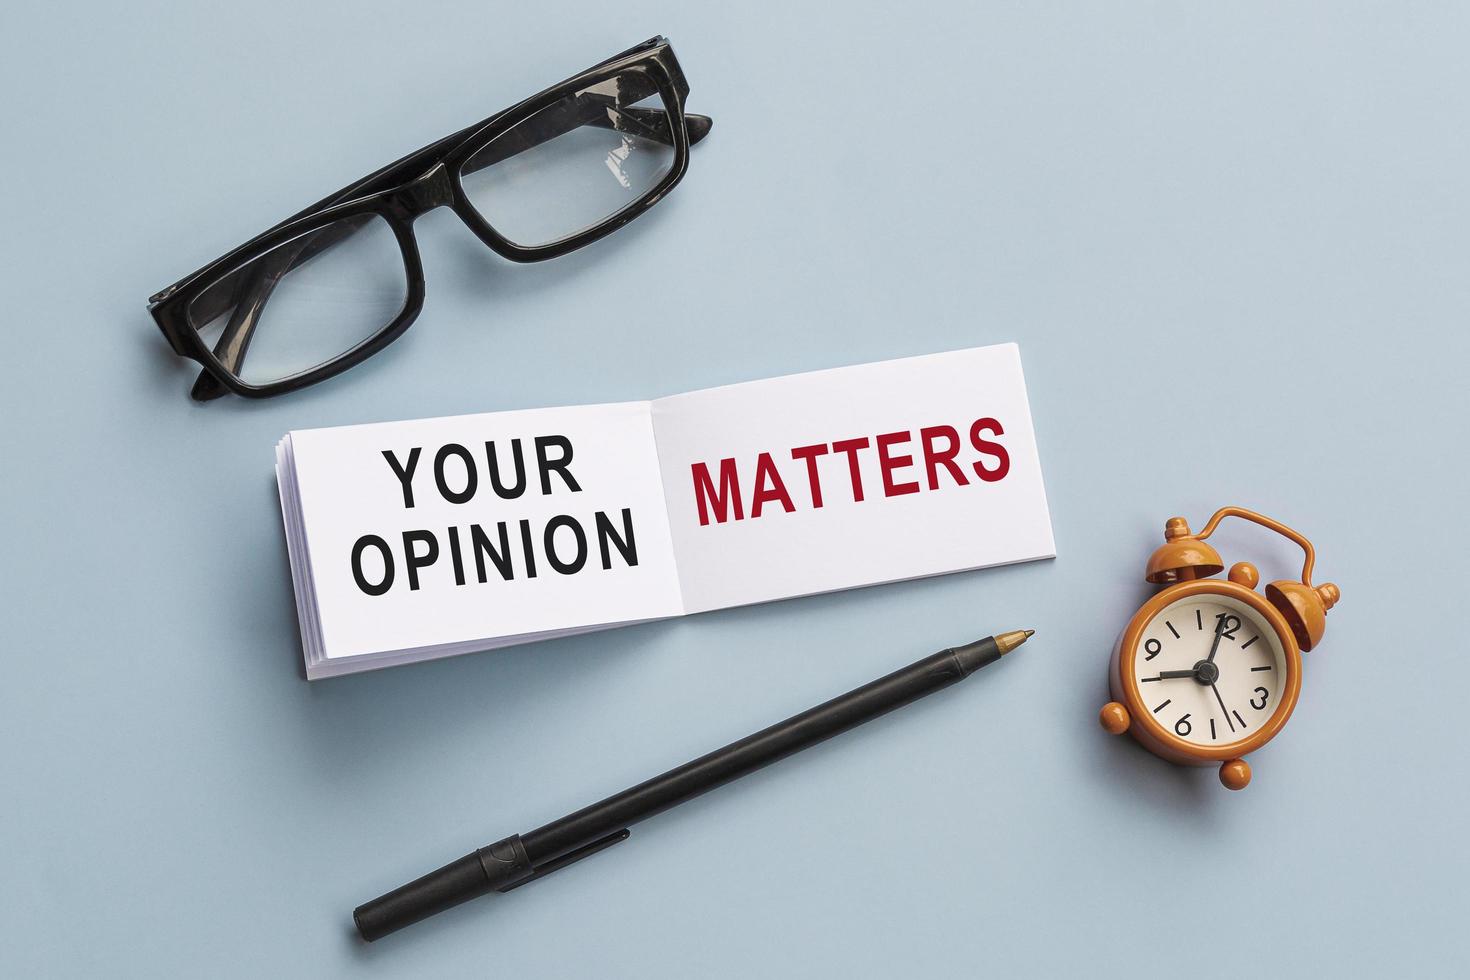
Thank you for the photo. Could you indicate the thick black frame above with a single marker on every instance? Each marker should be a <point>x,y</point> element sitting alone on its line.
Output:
<point>400,193</point>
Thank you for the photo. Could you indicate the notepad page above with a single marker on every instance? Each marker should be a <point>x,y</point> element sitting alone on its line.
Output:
<point>853,476</point>
<point>416,541</point>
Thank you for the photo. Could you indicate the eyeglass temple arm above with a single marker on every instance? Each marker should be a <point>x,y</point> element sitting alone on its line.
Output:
<point>247,290</point>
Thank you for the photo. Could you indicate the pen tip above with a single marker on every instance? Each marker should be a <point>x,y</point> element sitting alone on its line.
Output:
<point>1006,642</point>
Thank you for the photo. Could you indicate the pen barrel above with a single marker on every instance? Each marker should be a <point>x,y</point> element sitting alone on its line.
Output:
<point>498,867</point>
<point>759,750</point>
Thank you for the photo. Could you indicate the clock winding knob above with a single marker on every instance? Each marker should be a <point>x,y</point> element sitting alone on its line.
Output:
<point>1244,573</point>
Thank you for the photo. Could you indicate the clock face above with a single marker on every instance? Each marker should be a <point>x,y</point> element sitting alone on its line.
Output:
<point>1211,669</point>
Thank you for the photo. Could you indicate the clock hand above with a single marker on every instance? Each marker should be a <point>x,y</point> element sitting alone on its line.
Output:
<point>1169,674</point>
<point>1223,710</point>
<point>1219,631</point>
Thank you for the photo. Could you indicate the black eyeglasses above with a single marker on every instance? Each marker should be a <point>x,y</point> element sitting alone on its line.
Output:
<point>343,278</point>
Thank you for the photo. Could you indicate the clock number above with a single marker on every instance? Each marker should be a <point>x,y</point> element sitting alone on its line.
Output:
<point>1228,625</point>
<point>1153,648</point>
<point>1264,695</point>
<point>1182,727</point>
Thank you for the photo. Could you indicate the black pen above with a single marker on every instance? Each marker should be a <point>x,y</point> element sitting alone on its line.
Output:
<point>518,859</point>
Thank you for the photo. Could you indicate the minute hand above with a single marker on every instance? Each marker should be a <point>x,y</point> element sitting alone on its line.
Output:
<point>1219,631</point>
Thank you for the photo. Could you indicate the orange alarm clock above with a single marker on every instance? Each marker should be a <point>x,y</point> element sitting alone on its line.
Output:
<point>1209,670</point>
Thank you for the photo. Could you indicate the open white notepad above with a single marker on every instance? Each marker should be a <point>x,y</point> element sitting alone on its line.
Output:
<point>428,538</point>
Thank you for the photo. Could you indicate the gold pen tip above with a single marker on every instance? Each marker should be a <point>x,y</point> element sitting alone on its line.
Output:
<point>1006,642</point>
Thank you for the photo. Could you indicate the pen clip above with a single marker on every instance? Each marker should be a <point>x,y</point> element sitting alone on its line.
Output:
<point>586,850</point>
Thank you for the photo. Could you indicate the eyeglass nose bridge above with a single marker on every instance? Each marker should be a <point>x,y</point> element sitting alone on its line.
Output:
<point>431,190</point>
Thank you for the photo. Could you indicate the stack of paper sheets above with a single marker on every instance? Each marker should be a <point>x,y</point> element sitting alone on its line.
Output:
<point>421,539</point>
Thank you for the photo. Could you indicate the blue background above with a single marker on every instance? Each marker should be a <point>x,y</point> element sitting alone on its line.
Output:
<point>1232,242</point>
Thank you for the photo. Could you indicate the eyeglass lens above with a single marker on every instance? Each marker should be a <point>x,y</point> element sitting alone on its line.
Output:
<point>305,302</point>
<point>574,164</point>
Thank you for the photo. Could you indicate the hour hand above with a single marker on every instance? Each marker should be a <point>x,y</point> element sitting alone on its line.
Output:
<point>1165,675</point>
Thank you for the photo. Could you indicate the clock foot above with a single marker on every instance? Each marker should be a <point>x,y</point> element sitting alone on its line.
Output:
<point>1235,774</point>
<point>1114,718</point>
